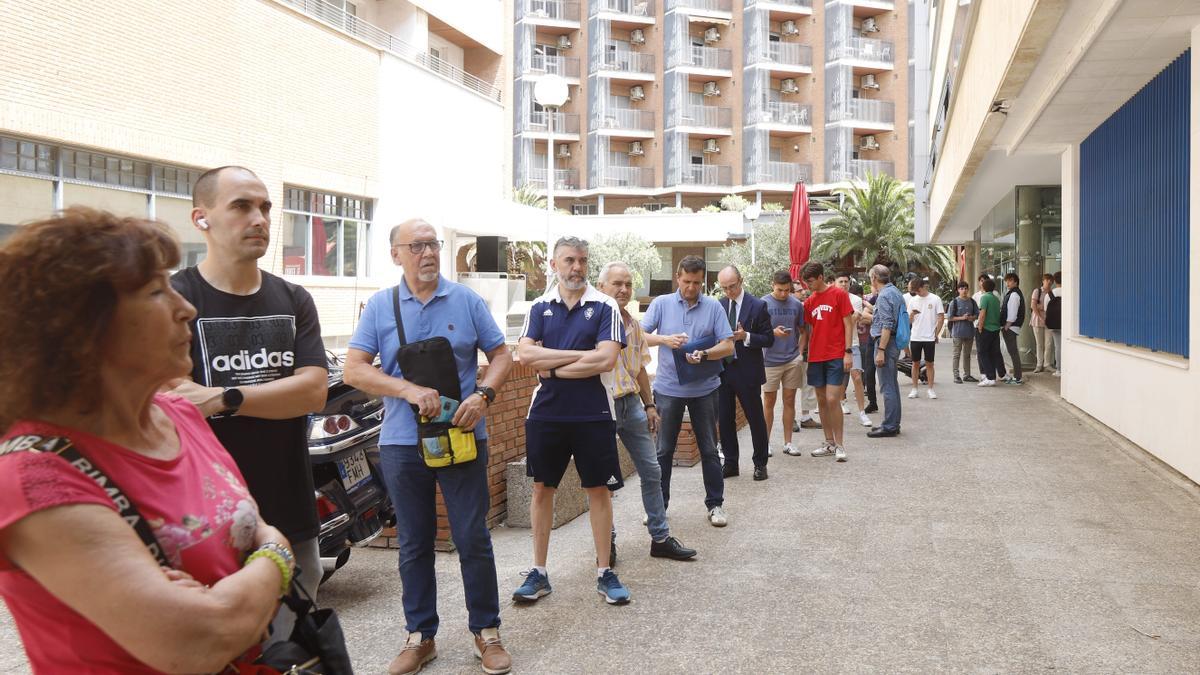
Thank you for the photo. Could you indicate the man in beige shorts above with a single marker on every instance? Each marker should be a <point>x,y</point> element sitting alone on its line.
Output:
<point>783,360</point>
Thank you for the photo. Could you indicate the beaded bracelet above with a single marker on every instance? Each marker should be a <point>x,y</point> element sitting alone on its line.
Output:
<point>279,561</point>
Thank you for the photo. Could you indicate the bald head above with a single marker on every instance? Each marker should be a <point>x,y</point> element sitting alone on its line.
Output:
<point>208,185</point>
<point>414,229</point>
<point>730,281</point>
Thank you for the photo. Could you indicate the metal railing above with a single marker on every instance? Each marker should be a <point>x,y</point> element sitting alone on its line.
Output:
<point>708,174</point>
<point>713,58</point>
<point>864,49</point>
<point>782,112</point>
<point>627,176</point>
<point>706,116</point>
<point>631,7</point>
<point>860,168</point>
<point>564,179</point>
<point>790,53</point>
<point>339,19</point>
<point>785,172</point>
<point>564,123</point>
<point>627,118</point>
<point>867,110</point>
<point>567,66</point>
<point>708,5</point>
<point>791,3</point>
<point>556,10</point>
<point>628,62</point>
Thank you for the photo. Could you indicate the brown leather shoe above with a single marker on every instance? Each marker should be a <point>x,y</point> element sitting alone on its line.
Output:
<point>413,657</point>
<point>491,654</point>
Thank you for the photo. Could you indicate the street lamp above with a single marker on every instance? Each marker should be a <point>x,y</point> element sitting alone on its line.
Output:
<point>550,92</point>
<point>751,213</point>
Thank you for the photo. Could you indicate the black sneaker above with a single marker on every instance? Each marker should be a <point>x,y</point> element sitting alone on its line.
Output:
<point>871,408</point>
<point>968,378</point>
<point>809,424</point>
<point>730,471</point>
<point>760,473</point>
<point>671,548</point>
<point>958,380</point>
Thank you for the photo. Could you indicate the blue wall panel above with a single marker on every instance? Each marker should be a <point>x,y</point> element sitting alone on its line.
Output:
<point>1134,221</point>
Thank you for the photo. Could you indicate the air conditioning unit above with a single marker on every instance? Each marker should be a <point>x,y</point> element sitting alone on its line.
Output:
<point>868,26</point>
<point>868,82</point>
<point>635,149</point>
<point>868,143</point>
<point>789,28</point>
<point>710,145</point>
<point>637,93</point>
<point>710,89</point>
<point>788,86</point>
<point>712,35</point>
<point>563,152</point>
<point>637,36</point>
<point>564,42</point>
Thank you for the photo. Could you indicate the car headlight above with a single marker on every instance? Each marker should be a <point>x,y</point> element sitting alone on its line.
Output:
<point>329,426</point>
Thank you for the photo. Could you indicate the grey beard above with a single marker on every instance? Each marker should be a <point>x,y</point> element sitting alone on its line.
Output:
<point>427,276</point>
<point>572,285</point>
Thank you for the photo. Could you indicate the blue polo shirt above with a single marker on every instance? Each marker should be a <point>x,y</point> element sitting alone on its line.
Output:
<point>594,319</point>
<point>454,312</point>
<point>670,314</point>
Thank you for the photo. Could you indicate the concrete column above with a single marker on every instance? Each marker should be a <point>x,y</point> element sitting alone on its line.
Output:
<point>678,199</point>
<point>600,204</point>
<point>1029,265</point>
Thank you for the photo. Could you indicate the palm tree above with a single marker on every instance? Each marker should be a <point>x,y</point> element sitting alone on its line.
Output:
<point>875,223</point>
<point>527,196</point>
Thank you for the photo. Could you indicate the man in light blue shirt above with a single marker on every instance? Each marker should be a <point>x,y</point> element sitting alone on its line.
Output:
<point>692,334</point>
<point>890,310</point>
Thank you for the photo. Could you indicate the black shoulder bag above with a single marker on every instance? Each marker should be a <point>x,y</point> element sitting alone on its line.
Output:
<point>316,645</point>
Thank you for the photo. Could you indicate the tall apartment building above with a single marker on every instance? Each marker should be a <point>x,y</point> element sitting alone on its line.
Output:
<point>679,102</point>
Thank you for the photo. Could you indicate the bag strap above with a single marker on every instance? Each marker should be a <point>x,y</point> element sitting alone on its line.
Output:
<point>396,309</point>
<point>63,447</point>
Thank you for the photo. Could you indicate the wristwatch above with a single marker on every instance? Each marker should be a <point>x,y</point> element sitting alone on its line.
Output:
<point>487,393</point>
<point>849,350</point>
<point>231,399</point>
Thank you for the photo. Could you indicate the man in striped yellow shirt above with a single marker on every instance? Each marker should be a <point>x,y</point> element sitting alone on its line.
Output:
<point>636,416</point>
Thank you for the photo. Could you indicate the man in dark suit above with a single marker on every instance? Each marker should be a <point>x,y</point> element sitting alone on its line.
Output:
<point>744,375</point>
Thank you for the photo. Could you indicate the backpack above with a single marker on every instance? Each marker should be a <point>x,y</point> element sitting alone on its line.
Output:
<point>903,330</point>
<point>1054,312</point>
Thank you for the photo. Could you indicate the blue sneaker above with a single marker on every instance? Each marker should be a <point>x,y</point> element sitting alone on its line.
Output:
<point>536,585</point>
<point>612,589</point>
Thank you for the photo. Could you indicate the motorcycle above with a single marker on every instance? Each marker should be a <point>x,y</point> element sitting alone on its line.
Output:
<point>343,448</point>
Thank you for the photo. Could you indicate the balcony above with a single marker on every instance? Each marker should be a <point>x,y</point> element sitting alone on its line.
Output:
<point>868,116</point>
<point>785,173</point>
<point>786,59</point>
<point>628,12</point>
<point>549,12</point>
<point>866,54</point>
<point>872,7</point>
<point>786,114</point>
<point>566,66</point>
<point>861,168</point>
<point>783,7</point>
<point>627,123</point>
<point>634,66</point>
<point>706,58</point>
<point>565,124</point>
<point>706,116</point>
<point>564,179</point>
<point>627,177</point>
<point>708,175</point>
<point>721,6</point>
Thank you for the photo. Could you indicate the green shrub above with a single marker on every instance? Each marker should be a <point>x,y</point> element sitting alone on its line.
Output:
<point>734,203</point>
<point>635,210</point>
<point>711,208</point>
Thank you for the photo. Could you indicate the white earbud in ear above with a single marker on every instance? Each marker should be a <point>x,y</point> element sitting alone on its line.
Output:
<point>202,223</point>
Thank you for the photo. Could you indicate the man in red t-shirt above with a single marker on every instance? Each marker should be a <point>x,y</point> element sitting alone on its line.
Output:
<point>828,331</point>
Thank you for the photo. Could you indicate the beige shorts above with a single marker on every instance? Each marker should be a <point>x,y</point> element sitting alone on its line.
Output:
<point>790,375</point>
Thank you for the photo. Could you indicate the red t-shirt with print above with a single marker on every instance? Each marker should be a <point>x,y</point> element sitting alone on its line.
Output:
<point>825,313</point>
<point>197,505</point>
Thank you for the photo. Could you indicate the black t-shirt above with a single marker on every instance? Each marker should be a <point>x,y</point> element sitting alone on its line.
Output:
<point>242,340</point>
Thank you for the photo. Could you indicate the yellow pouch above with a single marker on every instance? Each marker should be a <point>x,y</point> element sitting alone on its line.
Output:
<point>443,446</point>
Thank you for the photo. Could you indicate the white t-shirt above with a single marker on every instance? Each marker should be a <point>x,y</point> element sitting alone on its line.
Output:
<point>857,303</point>
<point>924,324</point>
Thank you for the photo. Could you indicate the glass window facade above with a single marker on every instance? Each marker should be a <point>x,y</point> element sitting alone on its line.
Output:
<point>325,234</point>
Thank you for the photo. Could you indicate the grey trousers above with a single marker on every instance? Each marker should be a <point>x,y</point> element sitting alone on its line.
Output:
<point>962,354</point>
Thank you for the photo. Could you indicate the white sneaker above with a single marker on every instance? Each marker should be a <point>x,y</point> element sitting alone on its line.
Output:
<point>823,451</point>
<point>845,408</point>
<point>840,453</point>
<point>866,421</point>
<point>789,449</point>
<point>770,452</point>
<point>716,516</point>
<point>913,394</point>
<point>987,383</point>
<point>1058,373</point>
<point>645,519</point>
<point>931,394</point>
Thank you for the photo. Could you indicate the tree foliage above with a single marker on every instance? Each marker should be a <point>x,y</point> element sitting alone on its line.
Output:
<point>628,247</point>
<point>770,255</point>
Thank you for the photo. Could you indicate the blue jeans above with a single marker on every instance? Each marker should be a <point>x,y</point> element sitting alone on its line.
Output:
<point>410,484</point>
<point>633,432</point>
<point>889,386</point>
<point>703,413</point>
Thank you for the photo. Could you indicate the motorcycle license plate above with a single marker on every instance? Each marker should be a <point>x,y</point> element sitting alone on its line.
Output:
<point>354,470</point>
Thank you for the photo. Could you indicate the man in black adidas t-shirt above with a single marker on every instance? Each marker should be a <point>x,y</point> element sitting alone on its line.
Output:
<point>258,363</point>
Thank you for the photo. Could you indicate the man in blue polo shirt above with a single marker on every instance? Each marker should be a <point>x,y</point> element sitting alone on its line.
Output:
<point>431,305</point>
<point>572,337</point>
<point>691,332</point>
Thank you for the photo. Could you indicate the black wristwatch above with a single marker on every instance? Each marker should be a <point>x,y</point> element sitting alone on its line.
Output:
<point>231,399</point>
<point>487,393</point>
<point>849,350</point>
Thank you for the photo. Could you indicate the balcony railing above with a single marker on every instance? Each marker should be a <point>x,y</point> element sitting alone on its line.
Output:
<point>860,168</point>
<point>712,58</point>
<point>629,62</point>
<point>339,19</point>
<point>872,112</point>
<point>782,112</point>
<point>567,66</point>
<point>564,179</point>
<point>627,176</point>
<point>708,5</point>
<point>785,172</point>
<point>708,174</point>
<point>564,123</point>
<point>706,116</point>
<point>807,4</point>
<point>864,49</point>
<point>790,53</point>
<point>627,118</point>
<point>556,10</point>
<point>632,7</point>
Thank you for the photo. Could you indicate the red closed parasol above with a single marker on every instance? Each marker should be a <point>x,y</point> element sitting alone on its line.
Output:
<point>799,231</point>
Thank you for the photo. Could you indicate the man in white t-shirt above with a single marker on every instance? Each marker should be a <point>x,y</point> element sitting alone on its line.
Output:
<point>856,370</point>
<point>926,315</point>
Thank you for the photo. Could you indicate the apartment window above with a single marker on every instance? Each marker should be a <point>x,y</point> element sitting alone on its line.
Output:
<point>616,158</point>
<point>95,167</point>
<point>661,281</point>
<point>584,209</point>
<point>325,234</point>
<point>26,156</point>
<point>653,206</point>
<point>715,260</point>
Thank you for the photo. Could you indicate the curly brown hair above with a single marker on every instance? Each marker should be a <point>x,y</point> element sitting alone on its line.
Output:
<point>60,279</point>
